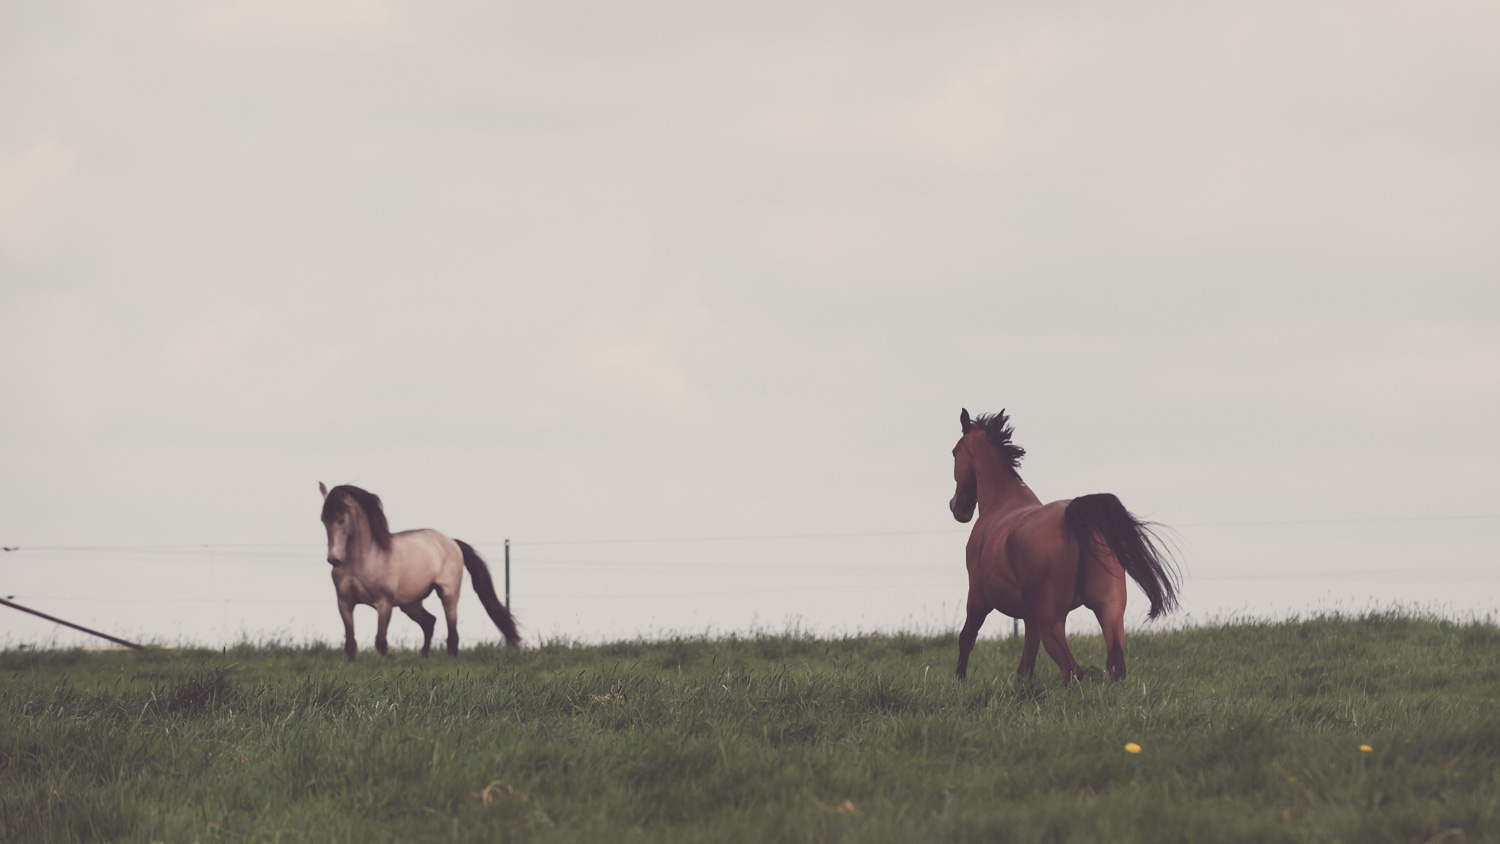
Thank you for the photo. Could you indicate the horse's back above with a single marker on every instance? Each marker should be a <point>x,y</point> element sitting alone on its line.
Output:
<point>1040,547</point>
<point>425,557</point>
<point>1022,553</point>
<point>1042,530</point>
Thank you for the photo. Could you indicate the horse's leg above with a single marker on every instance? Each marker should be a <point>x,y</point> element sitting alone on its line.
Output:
<point>1028,650</point>
<point>426,620</point>
<point>1112,623</point>
<point>1102,588</point>
<point>346,612</point>
<point>967,637</point>
<point>450,612</point>
<point>382,621</point>
<point>1055,640</point>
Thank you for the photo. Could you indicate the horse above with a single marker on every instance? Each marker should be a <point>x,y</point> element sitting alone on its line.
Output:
<point>386,570</point>
<point>1038,562</point>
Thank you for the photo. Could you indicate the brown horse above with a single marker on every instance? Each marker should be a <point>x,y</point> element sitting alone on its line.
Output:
<point>1038,562</point>
<point>386,570</point>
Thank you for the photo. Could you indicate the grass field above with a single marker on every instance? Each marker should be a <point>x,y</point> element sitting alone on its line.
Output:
<point>1381,727</point>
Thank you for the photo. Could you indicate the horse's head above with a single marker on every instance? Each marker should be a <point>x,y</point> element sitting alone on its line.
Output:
<point>966,494</point>
<point>985,454</point>
<point>338,520</point>
<point>355,522</point>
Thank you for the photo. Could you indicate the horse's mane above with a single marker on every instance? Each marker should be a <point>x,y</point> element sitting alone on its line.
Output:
<point>997,425</point>
<point>343,496</point>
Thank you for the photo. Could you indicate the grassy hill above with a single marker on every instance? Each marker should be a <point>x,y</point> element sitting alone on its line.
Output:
<point>1375,728</point>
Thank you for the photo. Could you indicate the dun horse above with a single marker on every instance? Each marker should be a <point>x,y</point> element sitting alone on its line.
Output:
<point>373,566</point>
<point>1038,562</point>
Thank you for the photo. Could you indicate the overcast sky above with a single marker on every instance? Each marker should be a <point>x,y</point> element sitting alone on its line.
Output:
<point>573,271</point>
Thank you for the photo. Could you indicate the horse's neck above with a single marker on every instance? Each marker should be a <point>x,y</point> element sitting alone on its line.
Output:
<point>1001,489</point>
<point>362,548</point>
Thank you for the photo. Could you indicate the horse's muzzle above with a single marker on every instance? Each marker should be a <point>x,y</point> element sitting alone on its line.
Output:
<point>964,516</point>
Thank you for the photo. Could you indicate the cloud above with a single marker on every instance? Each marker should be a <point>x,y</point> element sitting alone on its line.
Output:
<point>737,269</point>
<point>34,178</point>
<point>300,24</point>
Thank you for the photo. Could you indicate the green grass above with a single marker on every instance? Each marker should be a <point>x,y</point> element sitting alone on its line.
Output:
<point>1249,732</point>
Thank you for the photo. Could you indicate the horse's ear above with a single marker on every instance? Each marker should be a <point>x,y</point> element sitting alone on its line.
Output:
<point>322,489</point>
<point>963,419</point>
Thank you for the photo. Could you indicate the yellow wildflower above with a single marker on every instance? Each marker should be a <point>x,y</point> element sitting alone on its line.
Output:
<point>1132,748</point>
<point>1365,748</point>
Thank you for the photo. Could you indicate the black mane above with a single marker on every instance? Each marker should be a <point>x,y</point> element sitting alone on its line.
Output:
<point>997,425</point>
<point>344,496</point>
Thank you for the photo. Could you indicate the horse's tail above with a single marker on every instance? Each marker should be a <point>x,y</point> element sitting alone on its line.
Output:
<point>484,587</point>
<point>1132,541</point>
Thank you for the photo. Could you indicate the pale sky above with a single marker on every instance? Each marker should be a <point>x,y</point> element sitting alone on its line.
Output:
<point>598,271</point>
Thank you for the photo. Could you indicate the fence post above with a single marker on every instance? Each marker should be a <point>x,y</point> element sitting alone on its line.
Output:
<point>507,575</point>
<point>13,606</point>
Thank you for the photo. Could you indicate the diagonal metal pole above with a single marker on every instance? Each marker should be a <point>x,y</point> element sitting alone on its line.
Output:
<point>16,606</point>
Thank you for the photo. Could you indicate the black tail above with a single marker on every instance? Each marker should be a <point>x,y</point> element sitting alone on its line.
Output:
<point>1132,542</point>
<point>484,587</point>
